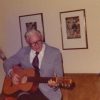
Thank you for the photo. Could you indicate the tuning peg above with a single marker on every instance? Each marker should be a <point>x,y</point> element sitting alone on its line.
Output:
<point>71,86</point>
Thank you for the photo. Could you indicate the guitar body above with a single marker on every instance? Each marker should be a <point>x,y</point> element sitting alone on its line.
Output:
<point>10,88</point>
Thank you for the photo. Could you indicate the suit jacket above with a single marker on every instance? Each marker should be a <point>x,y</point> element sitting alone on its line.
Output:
<point>51,65</point>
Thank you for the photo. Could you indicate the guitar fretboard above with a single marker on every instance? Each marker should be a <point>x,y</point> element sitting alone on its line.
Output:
<point>39,79</point>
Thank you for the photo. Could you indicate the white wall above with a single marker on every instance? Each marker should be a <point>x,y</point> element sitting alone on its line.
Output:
<point>75,61</point>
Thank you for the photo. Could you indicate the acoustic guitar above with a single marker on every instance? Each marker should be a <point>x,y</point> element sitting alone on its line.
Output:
<point>32,80</point>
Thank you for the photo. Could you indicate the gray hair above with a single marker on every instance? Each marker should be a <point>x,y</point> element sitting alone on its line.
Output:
<point>30,32</point>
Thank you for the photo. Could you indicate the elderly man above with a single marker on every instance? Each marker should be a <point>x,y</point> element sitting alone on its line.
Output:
<point>44,59</point>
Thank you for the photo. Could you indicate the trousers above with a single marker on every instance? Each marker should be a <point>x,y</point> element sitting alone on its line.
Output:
<point>37,95</point>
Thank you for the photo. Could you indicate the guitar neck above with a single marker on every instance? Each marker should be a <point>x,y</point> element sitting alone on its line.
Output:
<point>62,82</point>
<point>2,55</point>
<point>40,79</point>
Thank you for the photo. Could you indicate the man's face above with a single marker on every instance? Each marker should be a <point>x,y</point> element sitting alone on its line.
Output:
<point>35,42</point>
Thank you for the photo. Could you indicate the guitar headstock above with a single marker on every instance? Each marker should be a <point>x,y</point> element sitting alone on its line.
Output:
<point>66,83</point>
<point>2,55</point>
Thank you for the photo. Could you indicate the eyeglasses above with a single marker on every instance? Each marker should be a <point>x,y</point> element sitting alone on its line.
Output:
<point>35,43</point>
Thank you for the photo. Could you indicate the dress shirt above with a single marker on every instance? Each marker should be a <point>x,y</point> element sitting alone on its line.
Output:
<point>40,55</point>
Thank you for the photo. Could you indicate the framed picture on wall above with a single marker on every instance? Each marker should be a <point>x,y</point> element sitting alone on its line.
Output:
<point>73,29</point>
<point>28,22</point>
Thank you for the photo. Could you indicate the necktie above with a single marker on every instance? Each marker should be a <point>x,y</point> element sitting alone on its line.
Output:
<point>35,62</point>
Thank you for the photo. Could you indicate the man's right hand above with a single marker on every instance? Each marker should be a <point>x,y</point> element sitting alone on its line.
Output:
<point>14,76</point>
<point>15,79</point>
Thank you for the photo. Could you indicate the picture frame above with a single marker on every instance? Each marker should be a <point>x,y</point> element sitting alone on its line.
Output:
<point>73,29</point>
<point>28,22</point>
